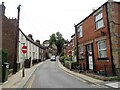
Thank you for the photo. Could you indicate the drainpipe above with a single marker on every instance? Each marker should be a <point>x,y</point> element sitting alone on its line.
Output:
<point>76,32</point>
<point>108,24</point>
<point>17,42</point>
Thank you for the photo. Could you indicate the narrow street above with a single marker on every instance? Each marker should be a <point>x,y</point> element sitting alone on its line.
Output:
<point>49,75</point>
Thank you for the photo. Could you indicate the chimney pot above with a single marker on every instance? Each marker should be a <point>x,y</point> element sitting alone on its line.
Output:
<point>2,3</point>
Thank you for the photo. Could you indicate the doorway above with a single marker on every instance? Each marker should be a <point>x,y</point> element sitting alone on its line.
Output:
<point>89,57</point>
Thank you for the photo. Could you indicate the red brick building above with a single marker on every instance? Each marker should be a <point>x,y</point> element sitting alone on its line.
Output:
<point>99,40</point>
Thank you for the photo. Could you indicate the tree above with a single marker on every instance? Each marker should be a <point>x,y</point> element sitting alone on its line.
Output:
<point>4,55</point>
<point>52,39</point>
<point>58,40</point>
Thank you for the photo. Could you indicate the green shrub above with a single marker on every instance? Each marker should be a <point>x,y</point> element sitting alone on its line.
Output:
<point>67,64</point>
<point>4,55</point>
<point>67,59</point>
<point>74,64</point>
<point>62,58</point>
<point>61,54</point>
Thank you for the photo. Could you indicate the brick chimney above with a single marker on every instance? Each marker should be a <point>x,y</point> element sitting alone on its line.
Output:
<point>38,42</point>
<point>31,37</point>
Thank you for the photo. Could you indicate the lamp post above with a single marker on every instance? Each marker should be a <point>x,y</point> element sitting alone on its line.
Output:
<point>76,34</point>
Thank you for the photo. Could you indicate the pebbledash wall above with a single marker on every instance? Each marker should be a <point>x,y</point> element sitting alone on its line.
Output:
<point>99,40</point>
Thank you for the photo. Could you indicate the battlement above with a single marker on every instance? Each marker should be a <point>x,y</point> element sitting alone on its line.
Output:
<point>12,18</point>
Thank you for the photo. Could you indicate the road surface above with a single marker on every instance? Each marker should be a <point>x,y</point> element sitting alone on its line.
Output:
<point>50,75</point>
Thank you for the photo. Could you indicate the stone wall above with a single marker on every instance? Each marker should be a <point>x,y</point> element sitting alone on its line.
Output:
<point>114,22</point>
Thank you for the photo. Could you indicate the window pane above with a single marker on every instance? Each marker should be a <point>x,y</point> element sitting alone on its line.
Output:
<point>81,49</point>
<point>99,16</point>
<point>102,45</point>
<point>81,52</point>
<point>102,54</point>
<point>100,24</point>
<point>99,20</point>
<point>80,31</point>
<point>102,49</point>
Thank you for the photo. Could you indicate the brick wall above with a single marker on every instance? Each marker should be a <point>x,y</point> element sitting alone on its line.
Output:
<point>9,37</point>
<point>91,35</point>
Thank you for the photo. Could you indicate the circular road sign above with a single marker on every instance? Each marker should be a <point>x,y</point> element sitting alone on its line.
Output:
<point>24,49</point>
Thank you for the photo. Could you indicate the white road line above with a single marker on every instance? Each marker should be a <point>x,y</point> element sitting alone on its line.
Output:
<point>114,85</point>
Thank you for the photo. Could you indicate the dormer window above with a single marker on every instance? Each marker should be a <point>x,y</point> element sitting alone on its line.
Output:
<point>99,20</point>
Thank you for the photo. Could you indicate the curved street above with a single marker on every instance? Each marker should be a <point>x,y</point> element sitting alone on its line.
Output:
<point>49,75</point>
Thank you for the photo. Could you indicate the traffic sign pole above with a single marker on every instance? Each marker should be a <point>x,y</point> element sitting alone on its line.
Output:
<point>24,50</point>
<point>23,72</point>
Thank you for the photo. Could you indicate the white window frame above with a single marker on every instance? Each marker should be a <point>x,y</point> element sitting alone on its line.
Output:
<point>103,49</point>
<point>80,31</point>
<point>99,20</point>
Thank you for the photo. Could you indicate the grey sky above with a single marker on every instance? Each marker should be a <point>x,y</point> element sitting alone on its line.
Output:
<point>41,18</point>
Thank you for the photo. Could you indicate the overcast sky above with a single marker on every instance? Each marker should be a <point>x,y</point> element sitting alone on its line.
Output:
<point>41,18</point>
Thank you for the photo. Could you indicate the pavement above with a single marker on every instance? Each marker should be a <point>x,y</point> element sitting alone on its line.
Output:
<point>109,84</point>
<point>17,81</point>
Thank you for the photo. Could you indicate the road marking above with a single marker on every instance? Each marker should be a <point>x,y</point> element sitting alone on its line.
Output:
<point>31,82</point>
<point>114,84</point>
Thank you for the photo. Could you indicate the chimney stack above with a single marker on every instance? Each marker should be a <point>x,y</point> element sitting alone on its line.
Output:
<point>38,42</point>
<point>30,35</point>
<point>2,9</point>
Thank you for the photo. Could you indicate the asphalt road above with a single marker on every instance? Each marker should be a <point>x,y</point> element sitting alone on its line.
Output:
<point>49,75</point>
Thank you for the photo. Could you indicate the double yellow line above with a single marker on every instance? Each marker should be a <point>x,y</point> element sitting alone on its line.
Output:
<point>31,82</point>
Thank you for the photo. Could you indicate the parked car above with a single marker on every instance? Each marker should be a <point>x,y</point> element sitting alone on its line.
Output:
<point>53,58</point>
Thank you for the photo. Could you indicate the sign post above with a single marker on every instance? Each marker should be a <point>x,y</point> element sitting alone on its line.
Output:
<point>24,50</point>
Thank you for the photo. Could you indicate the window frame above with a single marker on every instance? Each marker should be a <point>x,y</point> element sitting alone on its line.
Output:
<point>80,31</point>
<point>99,20</point>
<point>103,49</point>
<point>81,52</point>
